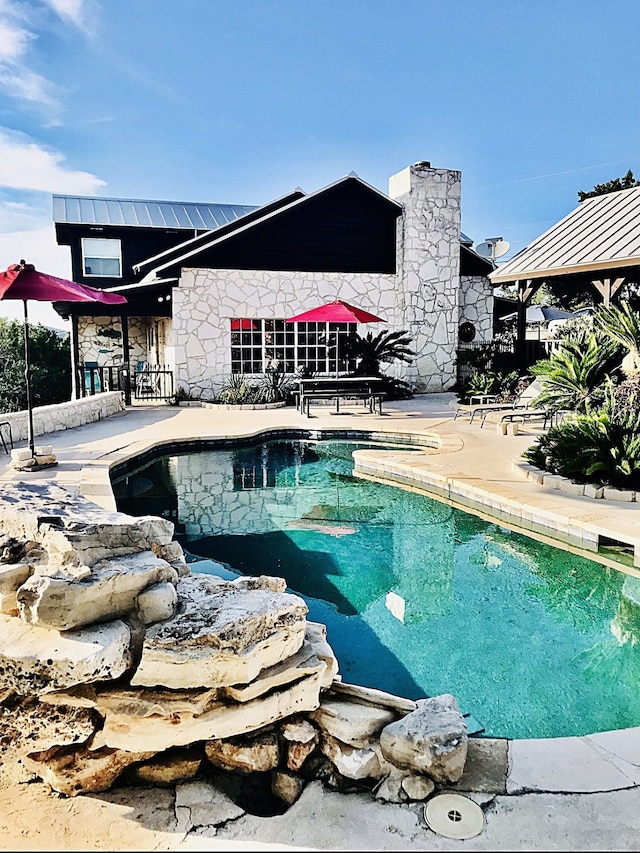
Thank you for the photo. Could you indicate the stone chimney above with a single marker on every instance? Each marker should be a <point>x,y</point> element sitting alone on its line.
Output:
<point>429,269</point>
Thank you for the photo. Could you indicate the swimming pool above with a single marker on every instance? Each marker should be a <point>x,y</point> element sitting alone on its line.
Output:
<point>419,598</point>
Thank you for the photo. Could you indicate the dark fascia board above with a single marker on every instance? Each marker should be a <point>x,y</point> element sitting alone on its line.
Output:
<point>484,264</point>
<point>194,244</point>
<point>241,225</point>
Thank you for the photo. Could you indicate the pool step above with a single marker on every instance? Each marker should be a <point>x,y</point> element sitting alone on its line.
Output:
<point>473,726</point>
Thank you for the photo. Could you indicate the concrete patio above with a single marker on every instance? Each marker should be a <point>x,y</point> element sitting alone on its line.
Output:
<point>559,794</point>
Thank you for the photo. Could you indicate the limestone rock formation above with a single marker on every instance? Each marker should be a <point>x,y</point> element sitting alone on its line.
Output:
<point>220,635</point>
<point>36,660</point>
<point>110,590</point>
<point>432,739</point>
<point>116,660</point>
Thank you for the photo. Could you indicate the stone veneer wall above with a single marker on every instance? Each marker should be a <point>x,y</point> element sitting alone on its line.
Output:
<point>206,300</point>
<point>47,419</point>
<point>429,270</point>
<point>96,334</point>
<point>477,305</point>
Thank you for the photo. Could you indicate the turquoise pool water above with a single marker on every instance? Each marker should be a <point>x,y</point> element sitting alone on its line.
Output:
<point>418,598</point>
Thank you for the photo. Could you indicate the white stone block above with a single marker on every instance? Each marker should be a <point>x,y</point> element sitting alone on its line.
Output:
<point>157,603</point>
<point>571,488</point>
<point>552,481</point>
<point>610,494</point>
<point>20,454</point>
<point>591,491</point>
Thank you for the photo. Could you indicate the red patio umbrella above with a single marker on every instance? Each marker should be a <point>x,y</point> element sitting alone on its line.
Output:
<point>24,281</point>
<point>336,311</point>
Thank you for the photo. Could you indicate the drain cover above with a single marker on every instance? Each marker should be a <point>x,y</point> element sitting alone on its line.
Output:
<point>454,816</point>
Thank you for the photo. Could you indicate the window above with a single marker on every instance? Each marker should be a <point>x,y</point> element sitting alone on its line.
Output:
<point>258,345</point>
<point>101,257</point>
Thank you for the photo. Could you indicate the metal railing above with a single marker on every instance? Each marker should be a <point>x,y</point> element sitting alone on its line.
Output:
<point>149,384</point>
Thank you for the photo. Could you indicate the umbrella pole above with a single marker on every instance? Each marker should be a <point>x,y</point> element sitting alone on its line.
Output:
<point>27,377</point>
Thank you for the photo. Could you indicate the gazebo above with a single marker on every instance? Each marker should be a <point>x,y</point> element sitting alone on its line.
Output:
<point>596,245</point>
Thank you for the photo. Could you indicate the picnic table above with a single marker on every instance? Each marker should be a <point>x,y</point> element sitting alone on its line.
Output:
<point>368,389</point>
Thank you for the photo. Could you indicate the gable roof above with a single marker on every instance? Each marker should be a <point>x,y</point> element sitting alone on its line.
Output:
<point>90,210</point>
<point>602,233</point>
<point>170,262</point>
<point>193,244</point>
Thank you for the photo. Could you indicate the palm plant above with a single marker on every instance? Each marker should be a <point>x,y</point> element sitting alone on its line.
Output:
<point>573,376</point>
<point>601,446</point>
<point>371,351</point>
<point>622,324</point>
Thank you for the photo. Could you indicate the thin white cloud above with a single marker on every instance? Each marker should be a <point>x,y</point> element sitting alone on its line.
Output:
<point>26,165</point>
<point>14,41</point>
<point>80,13</point>
<point>17,80</point>
<point>20,25</point>
<point>16,216</point>
<point>37,247</point>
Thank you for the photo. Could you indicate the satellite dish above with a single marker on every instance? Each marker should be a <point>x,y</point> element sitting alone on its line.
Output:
<point>493,247</point>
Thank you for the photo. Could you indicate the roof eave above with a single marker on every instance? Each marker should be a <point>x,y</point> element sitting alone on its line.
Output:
<point>500,277</point>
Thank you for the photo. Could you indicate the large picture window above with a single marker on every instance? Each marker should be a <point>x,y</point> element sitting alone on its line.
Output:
<point>260,345</point>
<point>101,257</point>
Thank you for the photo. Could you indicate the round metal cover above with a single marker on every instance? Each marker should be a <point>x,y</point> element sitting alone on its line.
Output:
<point>454,816</point>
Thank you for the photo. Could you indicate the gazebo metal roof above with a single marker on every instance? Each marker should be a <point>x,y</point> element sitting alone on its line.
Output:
<point>602,233</point>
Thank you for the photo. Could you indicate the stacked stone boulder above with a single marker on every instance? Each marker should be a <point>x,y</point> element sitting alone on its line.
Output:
<point>117,662</point>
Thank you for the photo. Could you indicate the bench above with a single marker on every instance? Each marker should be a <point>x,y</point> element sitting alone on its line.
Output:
<point>337,390</point>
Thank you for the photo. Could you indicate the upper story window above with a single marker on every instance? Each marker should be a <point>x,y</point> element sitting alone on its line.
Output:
<point>101,257</point>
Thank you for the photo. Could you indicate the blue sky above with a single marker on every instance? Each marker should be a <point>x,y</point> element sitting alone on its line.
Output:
<point>240,101</point>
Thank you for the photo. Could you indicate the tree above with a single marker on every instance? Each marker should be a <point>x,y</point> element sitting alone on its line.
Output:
<point>50,366</point>
<point>612,186</point>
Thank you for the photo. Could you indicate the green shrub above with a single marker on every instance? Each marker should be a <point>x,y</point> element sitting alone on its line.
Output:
<point>237,390</point>
<point>574,376</point>
<point>275,386</point>
<point>600,446</point>
<point>503,385</point>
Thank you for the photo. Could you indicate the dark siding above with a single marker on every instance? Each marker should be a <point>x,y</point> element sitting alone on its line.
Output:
<point>197,242</point>
<point>473,264</point>
<point>345,229</point>
<point>137,243</point>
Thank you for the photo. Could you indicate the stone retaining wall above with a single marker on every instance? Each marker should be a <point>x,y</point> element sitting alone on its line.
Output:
<point>47,419</point>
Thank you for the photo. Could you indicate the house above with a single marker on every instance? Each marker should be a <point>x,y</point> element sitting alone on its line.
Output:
<point>210,287</point>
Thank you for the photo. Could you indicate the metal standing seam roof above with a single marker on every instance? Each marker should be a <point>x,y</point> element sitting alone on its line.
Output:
<point>603,232</point>
<point>87,210</point>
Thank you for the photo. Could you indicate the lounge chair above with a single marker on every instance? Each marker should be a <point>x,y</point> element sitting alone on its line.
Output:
<point>521,409</point>
<point>521,401</point>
